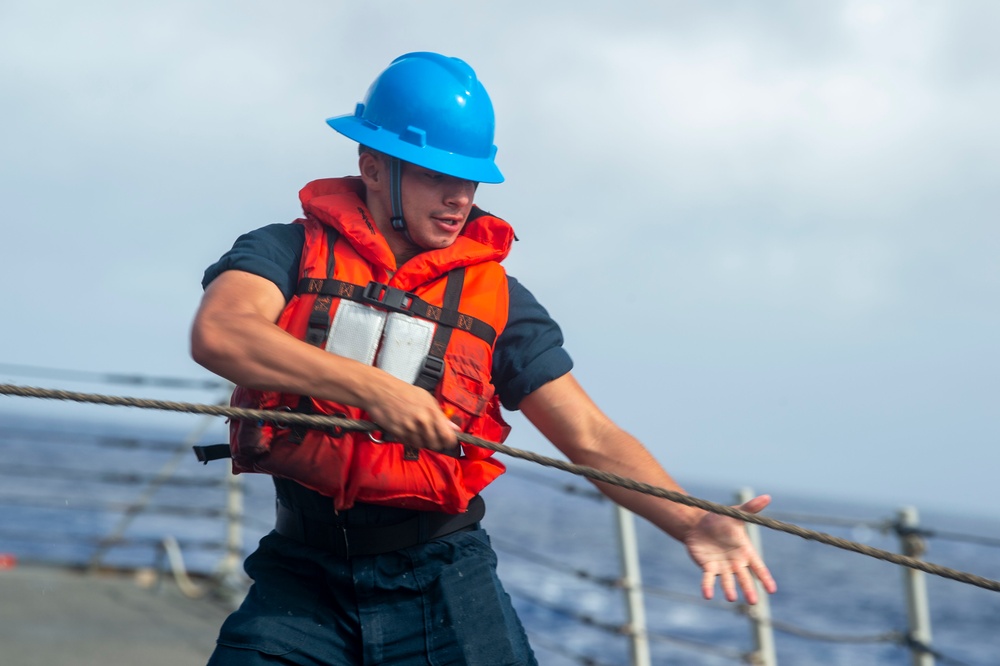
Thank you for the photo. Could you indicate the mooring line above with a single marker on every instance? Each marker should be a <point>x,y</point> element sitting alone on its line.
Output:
<point>320,421</point>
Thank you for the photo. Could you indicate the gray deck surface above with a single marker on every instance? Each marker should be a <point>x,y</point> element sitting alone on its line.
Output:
<point>52,616</point>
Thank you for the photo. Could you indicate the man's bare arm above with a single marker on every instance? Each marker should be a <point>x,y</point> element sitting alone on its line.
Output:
<point>568,418</point>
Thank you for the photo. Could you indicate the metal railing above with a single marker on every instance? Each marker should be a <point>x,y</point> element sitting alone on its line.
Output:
<point>84,498</point>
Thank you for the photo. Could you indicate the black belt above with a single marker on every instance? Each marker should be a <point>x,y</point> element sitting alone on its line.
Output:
<point>325,532</point>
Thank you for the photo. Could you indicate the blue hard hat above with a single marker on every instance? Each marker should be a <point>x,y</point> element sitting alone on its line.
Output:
<point>429,110</point>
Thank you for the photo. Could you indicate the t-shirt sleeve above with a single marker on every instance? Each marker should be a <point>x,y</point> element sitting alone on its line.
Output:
<point>529,351</point>
<point>272,252</point>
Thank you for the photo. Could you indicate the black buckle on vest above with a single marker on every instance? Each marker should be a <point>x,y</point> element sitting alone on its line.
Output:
<point>387,297</point>
<point>431,373</point>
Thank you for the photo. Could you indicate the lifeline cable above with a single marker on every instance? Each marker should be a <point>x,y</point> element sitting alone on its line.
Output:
<point>317,421</point>
<point>113,377</point>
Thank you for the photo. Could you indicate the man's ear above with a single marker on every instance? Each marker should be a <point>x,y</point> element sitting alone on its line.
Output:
<point>374,171</point>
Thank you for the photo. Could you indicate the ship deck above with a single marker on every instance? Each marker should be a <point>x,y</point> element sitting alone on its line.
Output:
<point>52,616</point>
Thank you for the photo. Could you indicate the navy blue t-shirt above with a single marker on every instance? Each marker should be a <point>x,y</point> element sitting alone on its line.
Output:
<point>528,352</point>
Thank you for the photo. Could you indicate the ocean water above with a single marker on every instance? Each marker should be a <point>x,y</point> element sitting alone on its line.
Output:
<point>66,483</point>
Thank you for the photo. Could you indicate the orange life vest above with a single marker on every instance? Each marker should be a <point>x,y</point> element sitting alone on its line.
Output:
<point>433,322</point>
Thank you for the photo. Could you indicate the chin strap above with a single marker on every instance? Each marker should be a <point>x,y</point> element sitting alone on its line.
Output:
<point>396,193</point>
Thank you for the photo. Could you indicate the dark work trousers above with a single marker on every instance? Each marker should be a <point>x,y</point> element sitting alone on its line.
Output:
<point>435,604</point>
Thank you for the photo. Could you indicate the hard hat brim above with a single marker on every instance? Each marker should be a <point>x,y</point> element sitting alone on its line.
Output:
<point>478,169</point>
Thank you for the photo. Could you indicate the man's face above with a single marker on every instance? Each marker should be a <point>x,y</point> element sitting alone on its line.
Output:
<point>435,206</point>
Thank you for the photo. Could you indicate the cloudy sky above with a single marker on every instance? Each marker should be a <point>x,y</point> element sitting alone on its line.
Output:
<point>767,229</point>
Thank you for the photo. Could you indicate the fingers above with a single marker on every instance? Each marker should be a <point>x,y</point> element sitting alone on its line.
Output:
<point>708,584</point>
<point>763,574</point>
<point>407,414</point>
<point>425,431</point>
<point>740,577</point>
<point>412,416</point>
<point>755,505</point>
<point>747,585</point>
<point>727,581</point>
<point>728,584</point>
<point>441,436</point>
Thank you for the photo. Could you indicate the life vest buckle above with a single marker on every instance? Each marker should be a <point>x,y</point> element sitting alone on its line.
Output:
<point>430,373</point>
<point>390,298</point>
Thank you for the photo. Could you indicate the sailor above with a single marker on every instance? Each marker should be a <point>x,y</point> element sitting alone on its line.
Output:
<point>388,301</point>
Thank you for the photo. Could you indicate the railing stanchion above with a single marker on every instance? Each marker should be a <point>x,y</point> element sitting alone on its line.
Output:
<point>759,614</point>
<point>917,605</point>
<point>234,525</point>
<point>228,571</point>
<point>632,584</point>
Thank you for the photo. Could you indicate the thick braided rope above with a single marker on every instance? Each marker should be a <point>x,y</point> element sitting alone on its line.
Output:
<point>318,421</point>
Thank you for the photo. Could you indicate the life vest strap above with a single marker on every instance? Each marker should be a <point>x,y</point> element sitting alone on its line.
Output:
<point>392,299</point>
<point>319,318</point>
<point>433,368</point>
<point>209,452</point>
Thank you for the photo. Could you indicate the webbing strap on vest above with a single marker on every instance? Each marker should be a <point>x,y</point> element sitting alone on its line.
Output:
<point>433,368</point>
<point>394,300</point>
<point>319,319</point>
<point>209,452</point>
